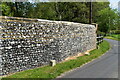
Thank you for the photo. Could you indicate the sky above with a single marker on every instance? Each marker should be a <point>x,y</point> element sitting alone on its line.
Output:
<point>114,4</point>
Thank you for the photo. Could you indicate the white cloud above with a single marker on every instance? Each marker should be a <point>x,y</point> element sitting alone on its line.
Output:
<point>114,4</point>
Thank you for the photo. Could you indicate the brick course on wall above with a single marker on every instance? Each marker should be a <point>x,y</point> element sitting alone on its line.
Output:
<point>29,43</point>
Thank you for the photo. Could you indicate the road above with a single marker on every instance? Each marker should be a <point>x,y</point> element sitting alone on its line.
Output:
<point>104,67</point>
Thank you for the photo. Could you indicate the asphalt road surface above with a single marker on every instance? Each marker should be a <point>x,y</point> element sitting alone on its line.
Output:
<point>104,67</point>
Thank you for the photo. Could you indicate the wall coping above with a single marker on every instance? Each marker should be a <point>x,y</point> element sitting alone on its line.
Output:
<point>39,20</point>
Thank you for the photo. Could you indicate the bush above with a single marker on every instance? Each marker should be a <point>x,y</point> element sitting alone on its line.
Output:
<point>99,33</point>
<point>115,32</point>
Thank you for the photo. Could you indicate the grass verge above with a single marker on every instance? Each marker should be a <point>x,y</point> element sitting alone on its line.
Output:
<point>109,37</point>
<point>49,72</point>
<point>114,37</point>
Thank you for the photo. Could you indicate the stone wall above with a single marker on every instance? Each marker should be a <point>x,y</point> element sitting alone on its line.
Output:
<point>29,43</point>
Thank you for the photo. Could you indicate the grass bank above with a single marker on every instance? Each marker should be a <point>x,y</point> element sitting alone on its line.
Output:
<point>114,37</point>
<point>48,72</point>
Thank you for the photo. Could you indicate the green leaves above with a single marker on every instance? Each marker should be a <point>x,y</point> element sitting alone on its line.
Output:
<point>6,10</point>
<point>107,20</point>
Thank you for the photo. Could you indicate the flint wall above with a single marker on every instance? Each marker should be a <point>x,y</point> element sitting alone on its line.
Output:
<point>29,43</point>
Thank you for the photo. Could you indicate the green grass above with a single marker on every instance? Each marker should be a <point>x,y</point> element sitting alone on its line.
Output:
<point>114,37</point>
<point>53,72</point>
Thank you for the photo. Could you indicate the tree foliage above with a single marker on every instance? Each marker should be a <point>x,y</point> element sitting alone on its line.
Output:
<point>107,18</point>
<point>6,9</point>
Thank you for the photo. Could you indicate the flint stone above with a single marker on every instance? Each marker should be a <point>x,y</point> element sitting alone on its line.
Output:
<point>32,44</point>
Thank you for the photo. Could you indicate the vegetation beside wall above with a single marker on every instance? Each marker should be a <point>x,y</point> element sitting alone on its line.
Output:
<point>114,37</point>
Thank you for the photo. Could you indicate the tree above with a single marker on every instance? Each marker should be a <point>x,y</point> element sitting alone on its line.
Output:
<point>107,20</point>
<point>97,7</point>
<point>6,9</point>
<point>65,11</point>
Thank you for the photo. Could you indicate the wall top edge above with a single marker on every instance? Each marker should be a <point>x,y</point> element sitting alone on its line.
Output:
<point>38,20</point>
